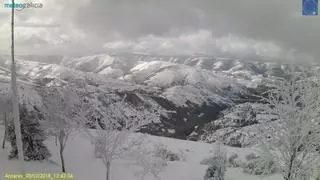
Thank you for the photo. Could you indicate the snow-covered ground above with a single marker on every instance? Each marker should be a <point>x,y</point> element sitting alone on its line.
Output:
<point>81,162</point>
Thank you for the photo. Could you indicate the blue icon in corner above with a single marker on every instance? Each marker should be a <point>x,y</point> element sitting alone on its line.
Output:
<point>310,7</point>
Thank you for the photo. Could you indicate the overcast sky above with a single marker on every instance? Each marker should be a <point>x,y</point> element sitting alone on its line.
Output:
<point>270,28</point>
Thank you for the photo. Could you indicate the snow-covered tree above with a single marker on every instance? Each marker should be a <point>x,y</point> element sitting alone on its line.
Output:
<point>149,162</point>
<point>218,164</point>
<point>59,123</point>
<point>119,120</point>
<point>33,135</point>
<point>294,100</point>
<point>5,111</point>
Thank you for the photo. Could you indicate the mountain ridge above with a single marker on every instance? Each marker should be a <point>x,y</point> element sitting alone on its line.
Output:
<point>192,90</point>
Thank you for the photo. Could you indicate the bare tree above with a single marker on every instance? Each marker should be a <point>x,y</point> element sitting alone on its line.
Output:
<point>15,102</point>
<point>295,137</point>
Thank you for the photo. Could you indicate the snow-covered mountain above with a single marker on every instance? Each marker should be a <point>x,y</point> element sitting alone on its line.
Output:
<point>239,126</point>
<point>191,91</point>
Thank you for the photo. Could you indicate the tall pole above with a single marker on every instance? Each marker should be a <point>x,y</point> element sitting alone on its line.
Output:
<point>14,98</point>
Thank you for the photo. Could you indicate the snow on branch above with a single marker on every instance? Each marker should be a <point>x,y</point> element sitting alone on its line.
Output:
<point>295,137</point>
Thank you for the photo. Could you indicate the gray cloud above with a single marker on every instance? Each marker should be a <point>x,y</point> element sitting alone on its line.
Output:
<point>37,25</point>
<point>273,20</point>
<point>140,17</point>
<point>133,21</point>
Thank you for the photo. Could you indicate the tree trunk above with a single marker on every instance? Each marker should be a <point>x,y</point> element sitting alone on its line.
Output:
<point>5,131</point>
<point>4,139</point>
<point>61,138</point>
<point>292,158</point>
<point>14,98</point>
<point>63,169</point>
<point>108,164</point>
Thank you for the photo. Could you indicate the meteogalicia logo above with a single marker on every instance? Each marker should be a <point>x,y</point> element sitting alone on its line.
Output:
<point>19,6</point>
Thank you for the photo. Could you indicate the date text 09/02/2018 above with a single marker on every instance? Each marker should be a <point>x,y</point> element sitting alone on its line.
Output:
<point>39,176</point>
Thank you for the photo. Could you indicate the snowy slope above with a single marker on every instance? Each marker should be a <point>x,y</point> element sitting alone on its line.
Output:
<point>239,126</point>
<point>182,83</point>
<point>94,64</point>
<point>161,72</point>
<point>81,162</point>
<point>196,89</point>
<point>190,92</point>
<point>245,71</point>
